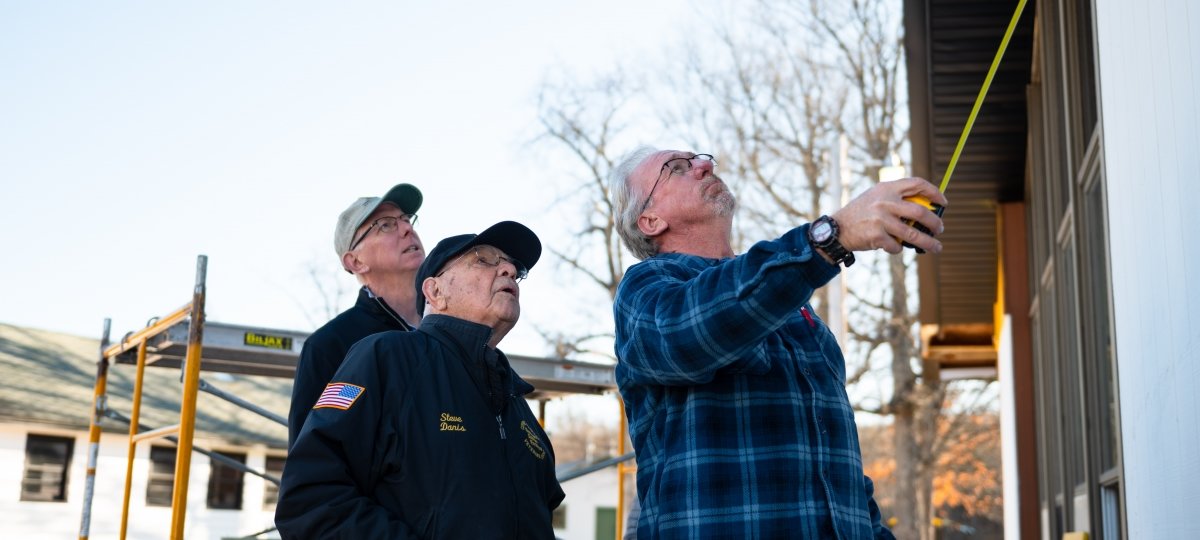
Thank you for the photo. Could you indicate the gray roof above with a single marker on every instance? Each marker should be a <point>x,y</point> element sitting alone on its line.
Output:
<point>48,378</point>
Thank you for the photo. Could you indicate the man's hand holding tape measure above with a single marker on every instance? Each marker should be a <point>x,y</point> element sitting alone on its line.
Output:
<point>889,216</point>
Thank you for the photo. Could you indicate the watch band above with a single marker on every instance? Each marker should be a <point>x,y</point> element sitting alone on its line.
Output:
<point>831,246</point>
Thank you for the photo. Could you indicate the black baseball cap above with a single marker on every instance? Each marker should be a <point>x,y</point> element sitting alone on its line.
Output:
<point>514,239</point>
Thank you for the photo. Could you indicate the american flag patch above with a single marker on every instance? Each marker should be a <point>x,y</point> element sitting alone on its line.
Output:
<point>338,396</point>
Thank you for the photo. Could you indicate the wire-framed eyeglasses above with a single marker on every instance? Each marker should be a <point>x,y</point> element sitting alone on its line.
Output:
<point>385,225</point>
<point>679,165</point>
<point>489,258</point>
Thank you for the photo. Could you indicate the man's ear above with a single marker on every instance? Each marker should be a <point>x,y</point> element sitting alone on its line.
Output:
<point>651,224</point>
<point>353,264</point>
<point>435,295</point>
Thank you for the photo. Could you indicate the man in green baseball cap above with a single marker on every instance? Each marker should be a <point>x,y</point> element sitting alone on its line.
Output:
<point>374,240</point>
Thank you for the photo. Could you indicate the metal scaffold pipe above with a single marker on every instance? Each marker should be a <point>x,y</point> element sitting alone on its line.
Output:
<point>187,412</point>
<point>98,405</point>
<point>131,449</point>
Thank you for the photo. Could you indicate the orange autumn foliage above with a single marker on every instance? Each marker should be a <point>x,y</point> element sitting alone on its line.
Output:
<point>966,472</point>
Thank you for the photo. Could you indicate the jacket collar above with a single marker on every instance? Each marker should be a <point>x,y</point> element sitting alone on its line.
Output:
<point>464,334</point>
<point>379,308</point>
<point>470,339</point>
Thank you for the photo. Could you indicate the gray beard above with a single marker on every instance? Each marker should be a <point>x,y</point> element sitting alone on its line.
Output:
<point>724,202</point>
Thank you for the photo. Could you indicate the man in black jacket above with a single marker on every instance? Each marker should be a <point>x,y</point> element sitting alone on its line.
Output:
<point>427,434</point>
<point>375,241</point>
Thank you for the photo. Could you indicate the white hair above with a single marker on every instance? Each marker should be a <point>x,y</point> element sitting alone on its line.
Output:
<point>626,203</point>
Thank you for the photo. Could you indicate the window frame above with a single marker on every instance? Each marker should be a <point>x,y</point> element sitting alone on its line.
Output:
<point>58,466</point>
<point>226,485</point>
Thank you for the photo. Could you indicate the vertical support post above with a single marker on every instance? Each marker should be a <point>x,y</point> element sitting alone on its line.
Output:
<point>1023,451</point>
<point>187,411</point>
<point>135,416</point>
<point>98,405</point>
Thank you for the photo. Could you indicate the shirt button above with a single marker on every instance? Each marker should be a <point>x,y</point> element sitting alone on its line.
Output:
<point>807,372</point>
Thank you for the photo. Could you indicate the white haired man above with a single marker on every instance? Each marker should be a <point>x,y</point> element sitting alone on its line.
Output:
<point>734,389</point>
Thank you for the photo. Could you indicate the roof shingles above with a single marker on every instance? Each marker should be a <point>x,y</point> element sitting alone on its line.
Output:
<point>48,378</point>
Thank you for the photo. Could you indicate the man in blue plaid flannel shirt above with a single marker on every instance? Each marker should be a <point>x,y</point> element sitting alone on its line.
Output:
<point>734,389</point>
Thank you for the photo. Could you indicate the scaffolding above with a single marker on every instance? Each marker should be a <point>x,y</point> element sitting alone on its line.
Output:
<point>183,340</point>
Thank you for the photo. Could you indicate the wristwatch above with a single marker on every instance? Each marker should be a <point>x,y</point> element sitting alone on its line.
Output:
<point>823,235</point>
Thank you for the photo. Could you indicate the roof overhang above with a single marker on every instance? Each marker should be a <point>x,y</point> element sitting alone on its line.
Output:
<point>950,45</point>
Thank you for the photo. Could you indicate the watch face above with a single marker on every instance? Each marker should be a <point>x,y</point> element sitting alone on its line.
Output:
<point>821,231</point>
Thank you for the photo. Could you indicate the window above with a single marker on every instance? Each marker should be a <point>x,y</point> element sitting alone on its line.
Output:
<point>558,519</point>
<point>1078,427</point>
<point>1081,56</point>
<point>225,482</point>
<point>1071,370</point>
<point>274,468</point>
<point>160,487</point>
<point>1097,336</point>
<point>47,462</point>
<point>1110,511</point>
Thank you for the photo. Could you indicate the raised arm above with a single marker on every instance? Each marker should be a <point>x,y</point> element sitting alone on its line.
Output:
<point>677,327</point>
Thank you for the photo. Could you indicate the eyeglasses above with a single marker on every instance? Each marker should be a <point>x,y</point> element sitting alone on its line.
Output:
<point>679,166</point>
<point>489,259</point>
<point>386,225</point>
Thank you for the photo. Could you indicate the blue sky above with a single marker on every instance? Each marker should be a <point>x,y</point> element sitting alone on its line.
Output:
<point>136,135</point>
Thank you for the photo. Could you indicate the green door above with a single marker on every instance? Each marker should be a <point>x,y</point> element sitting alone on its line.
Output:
<point>606,523</point>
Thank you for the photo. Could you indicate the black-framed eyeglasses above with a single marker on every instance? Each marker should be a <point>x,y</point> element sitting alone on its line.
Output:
<point>489,259</point>
<point>385,225</point>
<point>679,165</point>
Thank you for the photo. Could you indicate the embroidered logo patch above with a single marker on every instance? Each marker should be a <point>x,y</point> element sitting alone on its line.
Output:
<point>532,442</point>
<point>449,422</point>
<point>339,395</point>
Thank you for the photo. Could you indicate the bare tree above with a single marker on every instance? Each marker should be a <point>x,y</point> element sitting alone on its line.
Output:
<point>580,122</point>
<point>330,287</point>
<point>578,438</point>
<point>967,490</point>
<point>771,116</point>
<point>866,38</point>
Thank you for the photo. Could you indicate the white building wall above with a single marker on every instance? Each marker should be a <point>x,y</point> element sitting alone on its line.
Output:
<point>584,495</point>
<point>56,520</point>
<point>1149,69</point>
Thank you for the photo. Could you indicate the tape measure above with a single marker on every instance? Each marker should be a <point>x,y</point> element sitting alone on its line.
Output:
<point>962,139</point>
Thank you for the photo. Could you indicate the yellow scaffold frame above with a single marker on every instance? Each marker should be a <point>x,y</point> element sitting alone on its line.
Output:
<point>143,342</point>
<point>185,429</point>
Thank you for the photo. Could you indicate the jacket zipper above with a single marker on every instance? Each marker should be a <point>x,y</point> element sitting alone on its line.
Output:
<point>507,467</point>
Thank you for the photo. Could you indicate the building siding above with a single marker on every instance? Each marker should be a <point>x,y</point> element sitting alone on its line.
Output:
<point>1148,59</point>
<point>46,520</point>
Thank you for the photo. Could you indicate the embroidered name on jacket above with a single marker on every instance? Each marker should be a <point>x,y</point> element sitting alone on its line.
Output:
<point>532,442</point>
<point>339,396</point>
<point>449,422</point>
